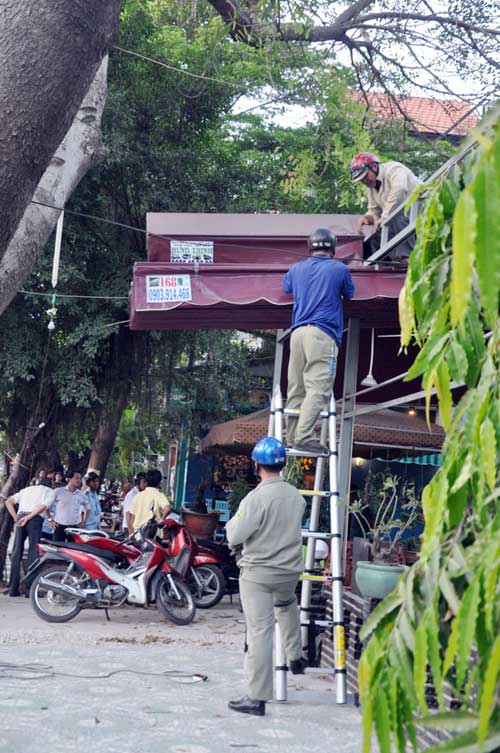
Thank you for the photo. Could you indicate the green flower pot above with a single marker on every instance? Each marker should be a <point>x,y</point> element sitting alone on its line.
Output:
<point>377,580</point>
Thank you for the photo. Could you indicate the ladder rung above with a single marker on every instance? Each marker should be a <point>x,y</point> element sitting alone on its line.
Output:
<point>321,623</point>
<point>303,454</point>
<point>296,412</point>
<point>316,535</point>
<point>324,578</point>
<point>314,493</point>
<point>319,671</point>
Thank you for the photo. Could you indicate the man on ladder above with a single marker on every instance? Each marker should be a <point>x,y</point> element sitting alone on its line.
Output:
<point>268,527</point>
<point>318,285</point>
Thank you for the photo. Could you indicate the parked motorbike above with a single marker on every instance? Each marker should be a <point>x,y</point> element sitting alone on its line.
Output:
<point>73,576</point>
<point>203,574</point>
<point>226,561</point>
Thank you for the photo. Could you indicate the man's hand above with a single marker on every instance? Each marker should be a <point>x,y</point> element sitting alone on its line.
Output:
<point>365,219</point>
<point>22,522</point>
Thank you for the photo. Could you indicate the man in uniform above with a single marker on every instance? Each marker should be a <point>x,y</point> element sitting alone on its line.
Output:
<point>389,185</point>
<point>268,528</point>
<point>318,285</point>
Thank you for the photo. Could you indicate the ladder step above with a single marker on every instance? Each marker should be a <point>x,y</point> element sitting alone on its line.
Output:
<point>323,578</point>
<point>321,623</point>
<point>314,493</point>
<point>296,412</point>
<point>319,671</point>
<point>303,454</point>
<point>316,535</point>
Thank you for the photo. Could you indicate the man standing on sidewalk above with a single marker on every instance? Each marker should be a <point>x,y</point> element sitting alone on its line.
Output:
<point>32,502</point>
<point>92,520</point>
<point>268,529</point>
<point>69,505</point>
<point>318,285</point>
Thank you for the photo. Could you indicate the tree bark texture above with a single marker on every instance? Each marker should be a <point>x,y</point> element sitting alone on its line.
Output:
<point>81,148</point>
<point>51,50</point>
<point>116,392</point>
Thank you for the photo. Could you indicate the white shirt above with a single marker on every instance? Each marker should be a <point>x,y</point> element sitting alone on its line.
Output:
<point>397,183</point>
<point>33,496</point>
<point>127,504</point>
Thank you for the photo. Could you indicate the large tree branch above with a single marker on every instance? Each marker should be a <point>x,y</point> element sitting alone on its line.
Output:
<point>51,50</point>
<point>80,149</point>
<point>430,18</point>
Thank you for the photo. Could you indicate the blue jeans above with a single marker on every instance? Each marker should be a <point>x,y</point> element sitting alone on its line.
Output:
<point>32,530</point>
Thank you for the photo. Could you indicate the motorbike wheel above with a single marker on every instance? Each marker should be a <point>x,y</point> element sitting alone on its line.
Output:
<point>51,606</point>
<point>181,610</point>
<point>214,586</point>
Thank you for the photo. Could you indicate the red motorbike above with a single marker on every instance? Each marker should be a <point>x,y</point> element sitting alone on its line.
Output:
<point>198,565</point>
<point>203,574</point>
<point>73,576</point>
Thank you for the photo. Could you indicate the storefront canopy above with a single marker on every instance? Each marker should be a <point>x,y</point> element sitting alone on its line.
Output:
<point>225,271</point>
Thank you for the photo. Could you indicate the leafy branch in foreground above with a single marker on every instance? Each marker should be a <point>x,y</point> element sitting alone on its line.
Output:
<point>444,617</point>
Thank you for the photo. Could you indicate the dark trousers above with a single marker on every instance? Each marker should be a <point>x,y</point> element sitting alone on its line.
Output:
<point>32,530</point>
<point>398,223</point>
<point>60,533</point>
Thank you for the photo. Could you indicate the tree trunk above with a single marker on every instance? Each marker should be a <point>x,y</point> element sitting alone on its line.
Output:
<point>116,392</point>
<point>79,151</point>
<point>20,477</point>
<point>51,50</point>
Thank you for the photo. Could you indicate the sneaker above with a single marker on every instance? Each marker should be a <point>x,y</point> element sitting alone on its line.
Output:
<point>247,705</point>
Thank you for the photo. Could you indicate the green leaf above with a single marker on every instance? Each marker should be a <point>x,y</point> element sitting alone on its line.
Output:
<point>420,664</point>
<point>464,249</point>
<point>448,591</point>
<point>385,607</point>
<point>434,651</point>
<point>444,394</point>
<point>465,623</point>
<point>406,315</point>
<point>451,721</point>
<point>433,505</point>
<point>487,703</point>
<point>382,720</point>
<point>486,193</point>
<point>467,743</point>
<point>488,452</point>
<point>399,658</point>
<point>457,360</point>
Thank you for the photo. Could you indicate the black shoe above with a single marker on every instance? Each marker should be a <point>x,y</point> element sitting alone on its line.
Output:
<point>247,705</point>
<point>14,593</point>
<point>298,666</point>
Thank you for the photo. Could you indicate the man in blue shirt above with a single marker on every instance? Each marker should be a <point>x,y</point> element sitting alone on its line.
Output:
<point>318,285</point>
<point>93,519</point>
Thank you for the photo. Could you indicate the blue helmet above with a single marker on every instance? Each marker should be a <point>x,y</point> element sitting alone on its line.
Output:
<point>269,451</point>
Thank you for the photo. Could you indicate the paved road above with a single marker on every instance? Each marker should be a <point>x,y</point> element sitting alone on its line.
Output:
<point>52,712</point>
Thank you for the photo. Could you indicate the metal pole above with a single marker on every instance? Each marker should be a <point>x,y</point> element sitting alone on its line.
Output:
<point>348,402</point>
<point>336,562</point>
<point>280,686</point>
<point>281,669</point>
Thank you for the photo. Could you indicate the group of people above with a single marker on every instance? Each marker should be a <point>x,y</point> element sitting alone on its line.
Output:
<point>53,503</point>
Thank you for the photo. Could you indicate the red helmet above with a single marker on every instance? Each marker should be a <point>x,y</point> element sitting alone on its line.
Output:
<point>361,164</point>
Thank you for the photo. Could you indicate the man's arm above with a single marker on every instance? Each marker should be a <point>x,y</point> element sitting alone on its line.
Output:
<point>287,282</point>
<point>35,511</point>
<point>246,522</point>
<point>347,285</point>
<point>10,504</point>
<point>130,517</point>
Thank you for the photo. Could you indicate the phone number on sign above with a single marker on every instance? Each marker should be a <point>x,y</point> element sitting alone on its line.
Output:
<point>160,295</point>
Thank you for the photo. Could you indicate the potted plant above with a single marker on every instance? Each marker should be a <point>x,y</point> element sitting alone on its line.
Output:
<point>384,519</point>
<point>198,520</point>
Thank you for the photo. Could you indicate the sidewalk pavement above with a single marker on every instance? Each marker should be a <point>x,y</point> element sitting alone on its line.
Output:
<point>48,712</point>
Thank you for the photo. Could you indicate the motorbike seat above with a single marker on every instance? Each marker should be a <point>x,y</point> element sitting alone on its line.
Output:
<point>104,554</point>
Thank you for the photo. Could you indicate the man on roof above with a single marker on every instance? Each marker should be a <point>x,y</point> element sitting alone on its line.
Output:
<point>389,185</point>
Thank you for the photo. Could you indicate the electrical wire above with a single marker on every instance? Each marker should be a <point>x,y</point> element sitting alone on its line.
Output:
<point>68,295</point>
<point>37,671</point>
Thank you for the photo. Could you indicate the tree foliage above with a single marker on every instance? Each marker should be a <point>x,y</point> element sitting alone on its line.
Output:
<point>444,616</point>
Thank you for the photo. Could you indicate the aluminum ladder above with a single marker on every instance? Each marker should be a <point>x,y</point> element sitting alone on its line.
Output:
<point>334,536</point>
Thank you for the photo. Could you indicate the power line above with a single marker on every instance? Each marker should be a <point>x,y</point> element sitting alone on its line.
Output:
<point>182,70</point>
<point>68,295</point>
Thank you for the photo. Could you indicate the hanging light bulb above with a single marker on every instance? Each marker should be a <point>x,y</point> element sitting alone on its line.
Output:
<point>51,326</point>
<point>369,380</point>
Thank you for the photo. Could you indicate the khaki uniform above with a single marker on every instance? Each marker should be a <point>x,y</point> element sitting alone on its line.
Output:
<point>268,526</point>
<point>311,374</point>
